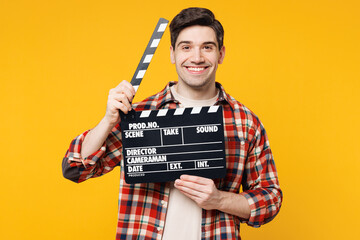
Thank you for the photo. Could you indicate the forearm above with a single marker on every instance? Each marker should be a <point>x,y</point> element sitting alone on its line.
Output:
<point>264,202</point>
<point>102,158</point>
<point>119,99</point>
<point>98,151</point>
<point>234,204</point>
<point>96,138</point>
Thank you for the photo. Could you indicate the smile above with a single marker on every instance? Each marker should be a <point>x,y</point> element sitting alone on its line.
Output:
<point>196,69</point>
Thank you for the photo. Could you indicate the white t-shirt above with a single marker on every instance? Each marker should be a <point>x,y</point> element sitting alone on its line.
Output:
<point>183,216</point>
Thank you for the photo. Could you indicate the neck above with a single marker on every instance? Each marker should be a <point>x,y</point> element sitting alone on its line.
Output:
<point>199,93</point>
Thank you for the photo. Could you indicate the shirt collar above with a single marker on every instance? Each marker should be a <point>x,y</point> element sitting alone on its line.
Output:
<point>165,96</point>
<point>224,97</point>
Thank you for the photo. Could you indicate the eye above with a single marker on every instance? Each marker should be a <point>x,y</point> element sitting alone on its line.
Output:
<point>185,47</point>
<point>208,47</point>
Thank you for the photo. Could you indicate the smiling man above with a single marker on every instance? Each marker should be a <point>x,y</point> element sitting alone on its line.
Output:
<point>191,207</point>
<point>196,55</point>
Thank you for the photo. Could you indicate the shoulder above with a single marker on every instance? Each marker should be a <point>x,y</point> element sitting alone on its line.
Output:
<point>240,111</point>
<point>245,114</point>
<point>247,122</point>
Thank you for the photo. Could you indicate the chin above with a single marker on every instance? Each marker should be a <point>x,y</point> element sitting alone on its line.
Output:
<point>196,84</point>
<point>199,83</point>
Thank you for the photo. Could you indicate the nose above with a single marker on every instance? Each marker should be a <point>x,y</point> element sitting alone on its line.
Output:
<point>197,56</point>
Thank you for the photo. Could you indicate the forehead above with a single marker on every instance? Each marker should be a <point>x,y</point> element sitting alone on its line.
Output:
<point>197,34</point>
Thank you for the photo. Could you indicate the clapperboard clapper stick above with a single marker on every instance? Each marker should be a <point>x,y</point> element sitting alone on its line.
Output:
<point>161,145</point>
<point>146,58</point>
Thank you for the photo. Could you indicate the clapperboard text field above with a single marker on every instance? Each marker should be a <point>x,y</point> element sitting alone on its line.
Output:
<point>161,145</point>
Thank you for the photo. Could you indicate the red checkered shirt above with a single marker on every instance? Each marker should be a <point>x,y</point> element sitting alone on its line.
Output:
<point>142,207</point>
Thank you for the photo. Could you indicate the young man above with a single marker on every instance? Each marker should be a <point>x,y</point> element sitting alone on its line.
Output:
<point>192,207</point>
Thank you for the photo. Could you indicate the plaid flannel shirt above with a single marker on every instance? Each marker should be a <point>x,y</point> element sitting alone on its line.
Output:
<point>249,162</point>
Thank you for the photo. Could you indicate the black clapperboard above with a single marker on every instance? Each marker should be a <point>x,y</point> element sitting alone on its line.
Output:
<point>161,145</point>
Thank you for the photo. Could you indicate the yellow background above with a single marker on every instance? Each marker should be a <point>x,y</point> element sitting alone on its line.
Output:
<point>294,63</point>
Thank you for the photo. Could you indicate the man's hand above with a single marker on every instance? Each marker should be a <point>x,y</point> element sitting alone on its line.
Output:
<point>119,98</point>
<point>204,192</point>
<point>201,190</point>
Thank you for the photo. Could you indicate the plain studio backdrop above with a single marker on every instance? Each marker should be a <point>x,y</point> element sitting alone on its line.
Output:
<point>294,63</point>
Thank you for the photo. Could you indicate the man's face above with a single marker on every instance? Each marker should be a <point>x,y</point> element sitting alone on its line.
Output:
<point>196,56</point>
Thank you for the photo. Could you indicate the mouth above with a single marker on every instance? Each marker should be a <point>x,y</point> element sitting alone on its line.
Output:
<point>197,69</point>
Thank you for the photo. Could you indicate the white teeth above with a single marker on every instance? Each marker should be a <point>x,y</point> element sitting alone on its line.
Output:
<point>195,69</point>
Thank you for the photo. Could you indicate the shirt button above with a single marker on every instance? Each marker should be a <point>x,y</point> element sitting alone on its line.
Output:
<point>163,202</point>
<point>159,229</point>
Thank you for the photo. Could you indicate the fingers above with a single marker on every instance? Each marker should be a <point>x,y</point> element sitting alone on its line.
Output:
<point>199,189</point>
<point>189,190</point>
<point>126,88</point>
<point>196,179</point>
<point>115,104</point>
<point>194,185</point>
<point>194,196</point>
<point>119,98</point>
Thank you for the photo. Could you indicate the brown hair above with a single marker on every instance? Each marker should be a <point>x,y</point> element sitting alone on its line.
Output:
<point>195,16</point>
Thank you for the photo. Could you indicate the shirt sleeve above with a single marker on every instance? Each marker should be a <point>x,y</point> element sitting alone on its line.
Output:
<point>98,163</point>
<point>260,181</point>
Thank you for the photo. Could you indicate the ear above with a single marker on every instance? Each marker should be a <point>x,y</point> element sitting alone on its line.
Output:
<point>172,55</point>
<point>222,55</point>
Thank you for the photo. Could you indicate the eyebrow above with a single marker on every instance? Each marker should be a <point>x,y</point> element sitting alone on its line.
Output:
<point>183,42</point>
<point>210,43</point>
<point>204,43</point>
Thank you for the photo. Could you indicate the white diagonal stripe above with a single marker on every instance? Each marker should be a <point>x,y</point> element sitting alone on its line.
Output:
<point>136,87</point>
<point>213,109</point>
<point>145,114</point>
<point>162,112</point>
<point>155,43</point>
<point>148,58</point>
<point>140,74</point>
<point>162,27</point>
<point>179,111</point>
<point>196,110</point>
